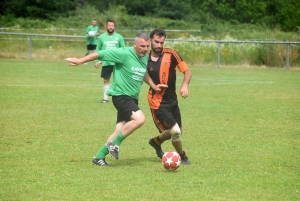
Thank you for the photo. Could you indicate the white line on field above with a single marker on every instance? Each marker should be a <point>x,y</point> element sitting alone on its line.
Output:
<point>237,82</point>
<point>53,85</point>
<point>249,82</point>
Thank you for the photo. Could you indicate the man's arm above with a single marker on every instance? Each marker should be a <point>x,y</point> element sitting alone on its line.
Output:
<point>76,61</point>
<point>87,32</point>
<point>116,56</point>
<point>184,92</point>
<point>150,82</point>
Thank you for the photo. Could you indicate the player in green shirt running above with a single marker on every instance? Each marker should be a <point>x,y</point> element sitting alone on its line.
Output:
<point>129,73</point>
<point>109,40</point>
<point>91,33</point>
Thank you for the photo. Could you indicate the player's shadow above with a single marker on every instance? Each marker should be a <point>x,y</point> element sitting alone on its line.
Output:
<point>140,161</point>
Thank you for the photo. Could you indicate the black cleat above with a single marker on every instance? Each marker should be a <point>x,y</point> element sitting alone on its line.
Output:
<point>159,151</point>
<point>99,161</point>
<point>113,150</point>
<point>104,101</point>
<point>184,159</point>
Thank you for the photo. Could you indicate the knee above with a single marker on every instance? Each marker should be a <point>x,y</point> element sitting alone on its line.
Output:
<point>175,133</point>
<point>139,118</point>
<point>106,81</point>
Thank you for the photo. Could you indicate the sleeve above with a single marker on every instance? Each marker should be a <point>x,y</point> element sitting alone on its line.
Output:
<point>122,42</point>
<point>99,44</point>
<point>182,66</point>
<point>98,47</point>
<point>87,32</point>
<point>116,55</point>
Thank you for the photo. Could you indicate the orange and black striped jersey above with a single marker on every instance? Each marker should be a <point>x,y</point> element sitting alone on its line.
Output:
<point>163,71</point>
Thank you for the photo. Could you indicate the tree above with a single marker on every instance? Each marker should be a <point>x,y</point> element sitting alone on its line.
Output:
<point>173,9</point>
<point>38,8</point>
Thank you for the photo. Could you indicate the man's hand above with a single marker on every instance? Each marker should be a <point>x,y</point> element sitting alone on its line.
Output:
<point>76,61</point>
<point>97,64</point>
<point>184,92</point>
<point>73,61</point>
<point>159,87</point>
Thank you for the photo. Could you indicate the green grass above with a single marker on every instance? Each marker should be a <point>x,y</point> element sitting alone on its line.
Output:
<point>241,131</point>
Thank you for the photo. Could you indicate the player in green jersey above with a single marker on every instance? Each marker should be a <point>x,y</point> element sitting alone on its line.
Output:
<point>91,33</point>
<point>109,40</point>
<point>129,73</point>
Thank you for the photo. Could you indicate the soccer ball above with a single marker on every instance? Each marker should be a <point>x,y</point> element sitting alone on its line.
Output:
<point>92,33</point>
<point>171,160</point>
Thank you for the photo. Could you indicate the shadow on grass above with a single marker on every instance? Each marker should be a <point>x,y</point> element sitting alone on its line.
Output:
<point>140,161</point>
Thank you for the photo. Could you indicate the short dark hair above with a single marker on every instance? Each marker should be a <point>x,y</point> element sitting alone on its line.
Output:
<point>158,32</point>
<point>110,20</point>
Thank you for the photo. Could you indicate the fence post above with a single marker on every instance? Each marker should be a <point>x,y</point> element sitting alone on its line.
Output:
<point>30,46</point>
<point>219,57</point>
<point>288,57</point>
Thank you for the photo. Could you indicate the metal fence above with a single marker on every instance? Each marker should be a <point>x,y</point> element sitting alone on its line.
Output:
<point>218,42</point>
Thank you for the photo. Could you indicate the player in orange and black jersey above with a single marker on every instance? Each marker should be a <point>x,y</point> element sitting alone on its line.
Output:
<point>166,115</point>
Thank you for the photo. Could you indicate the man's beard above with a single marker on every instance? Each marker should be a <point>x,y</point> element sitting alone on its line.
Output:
<point>112,31</point>
<point>157,51</point>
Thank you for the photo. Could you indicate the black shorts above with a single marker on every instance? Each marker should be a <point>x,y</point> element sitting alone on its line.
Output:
<point>107,71</point>
<point>91,47</point>
<point>125,105</point>
<point>166,118</point>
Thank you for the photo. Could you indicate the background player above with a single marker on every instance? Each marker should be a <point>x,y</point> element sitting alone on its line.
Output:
<point>164,104</point>
<point>109,40</point>
<point>91,40</point>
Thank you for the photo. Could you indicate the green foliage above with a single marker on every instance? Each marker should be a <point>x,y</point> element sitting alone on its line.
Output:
<point>128,25</point>
<point>280,14</point>
<point>173,9</point>
<point>240,131</point>
<point>39,9</point>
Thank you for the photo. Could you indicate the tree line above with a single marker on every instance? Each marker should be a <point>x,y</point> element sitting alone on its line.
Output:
<point>280,14</point>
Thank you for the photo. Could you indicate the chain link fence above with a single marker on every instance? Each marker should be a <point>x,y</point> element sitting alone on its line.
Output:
<point>198,52</point>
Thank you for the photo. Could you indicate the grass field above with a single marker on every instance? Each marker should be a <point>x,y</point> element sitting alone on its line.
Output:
<point>241,131</point>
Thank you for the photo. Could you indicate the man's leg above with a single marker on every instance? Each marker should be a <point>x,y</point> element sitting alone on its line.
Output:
<point>129,112</point>
<point>137,120</point>
<point>105,89</point>
<point>106,72</point>
<point>99,158</point>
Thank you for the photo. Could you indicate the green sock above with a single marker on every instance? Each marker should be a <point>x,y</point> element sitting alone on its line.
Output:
<point>102,152</point>
<point>119,139</point>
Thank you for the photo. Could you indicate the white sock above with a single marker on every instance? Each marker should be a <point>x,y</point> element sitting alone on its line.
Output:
<point>106,87</point>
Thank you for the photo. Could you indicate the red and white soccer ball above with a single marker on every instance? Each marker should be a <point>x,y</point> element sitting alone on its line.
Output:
<point>171,160</point>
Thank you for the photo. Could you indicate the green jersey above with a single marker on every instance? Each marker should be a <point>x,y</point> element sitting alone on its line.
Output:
<point>91,40</point>
<point>109,42</point>
<point>128,72</point>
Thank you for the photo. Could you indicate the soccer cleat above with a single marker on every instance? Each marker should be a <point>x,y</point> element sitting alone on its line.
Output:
<point>104,101</point>
<point>159,151</point>
<point>113,150</point>
<point>184,159</point>
<point>99,161</point>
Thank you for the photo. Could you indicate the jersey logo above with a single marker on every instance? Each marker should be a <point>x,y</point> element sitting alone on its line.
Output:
<point>151,69</point>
